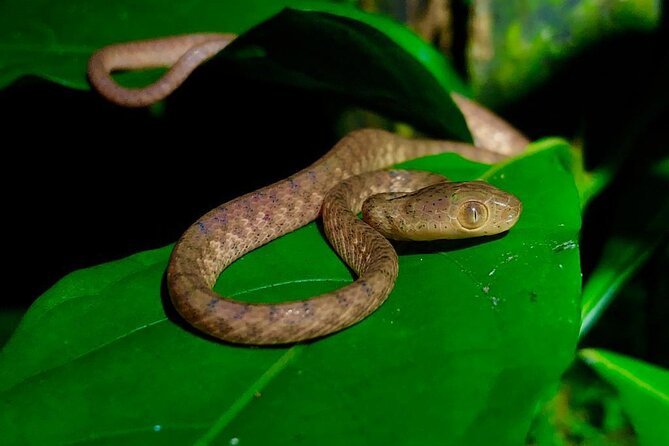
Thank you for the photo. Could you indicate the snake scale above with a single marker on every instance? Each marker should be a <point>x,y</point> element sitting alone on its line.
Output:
<point>399,204</point>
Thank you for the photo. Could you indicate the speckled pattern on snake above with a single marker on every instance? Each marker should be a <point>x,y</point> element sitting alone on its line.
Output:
<point>414,206</point>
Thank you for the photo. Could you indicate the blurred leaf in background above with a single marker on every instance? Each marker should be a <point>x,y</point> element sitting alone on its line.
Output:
<point>643,388</point>
<point>584,411</point>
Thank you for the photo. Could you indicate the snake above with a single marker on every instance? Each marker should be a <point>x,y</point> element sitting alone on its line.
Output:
<point>351,178</point>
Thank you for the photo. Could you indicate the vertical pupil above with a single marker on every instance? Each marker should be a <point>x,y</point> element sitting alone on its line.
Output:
<point>474,214</point>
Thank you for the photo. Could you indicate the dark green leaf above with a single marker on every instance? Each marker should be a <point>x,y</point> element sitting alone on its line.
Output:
<point>350,61</point>
<point>362,58</point>
<point>9,319</point>
<point>641,222</point>
<point>54,41</point>
<point>472,337</point>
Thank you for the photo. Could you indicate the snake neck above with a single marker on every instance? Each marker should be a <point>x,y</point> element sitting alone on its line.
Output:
<point>239,226</point>
<point>252,220</point>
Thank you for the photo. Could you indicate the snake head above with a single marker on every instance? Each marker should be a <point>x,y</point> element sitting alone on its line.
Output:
<point>448,210</point>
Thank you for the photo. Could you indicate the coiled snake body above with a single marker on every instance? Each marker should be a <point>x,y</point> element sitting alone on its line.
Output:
<point>411,206</point>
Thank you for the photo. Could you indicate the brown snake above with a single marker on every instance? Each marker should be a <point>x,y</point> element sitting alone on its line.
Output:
<point>414,206</point>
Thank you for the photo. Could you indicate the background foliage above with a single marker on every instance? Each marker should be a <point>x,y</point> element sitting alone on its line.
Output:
<point>99,358</point>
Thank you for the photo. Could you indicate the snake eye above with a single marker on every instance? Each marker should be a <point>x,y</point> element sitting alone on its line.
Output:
<point>472,214</point>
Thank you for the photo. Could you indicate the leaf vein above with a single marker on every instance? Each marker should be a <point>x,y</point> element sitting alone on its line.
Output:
<point>247,396</point>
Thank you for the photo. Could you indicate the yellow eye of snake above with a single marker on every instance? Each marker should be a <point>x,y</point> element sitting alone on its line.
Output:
<point>473,214</point>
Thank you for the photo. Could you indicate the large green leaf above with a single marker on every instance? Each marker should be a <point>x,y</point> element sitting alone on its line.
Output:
<point>358,57</point>
<point>54,39</point>
<point>644,392</point>
<point>473,335</point>
<point>347,60</point>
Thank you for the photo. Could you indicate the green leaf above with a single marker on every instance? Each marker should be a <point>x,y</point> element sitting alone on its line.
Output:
<point>347,52</point>
<point>473,335</point>
<point>308,49</point>
<point>9,319</point>
<point>54,40</point>
<point>644,392</point>
<point>432,60</point>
